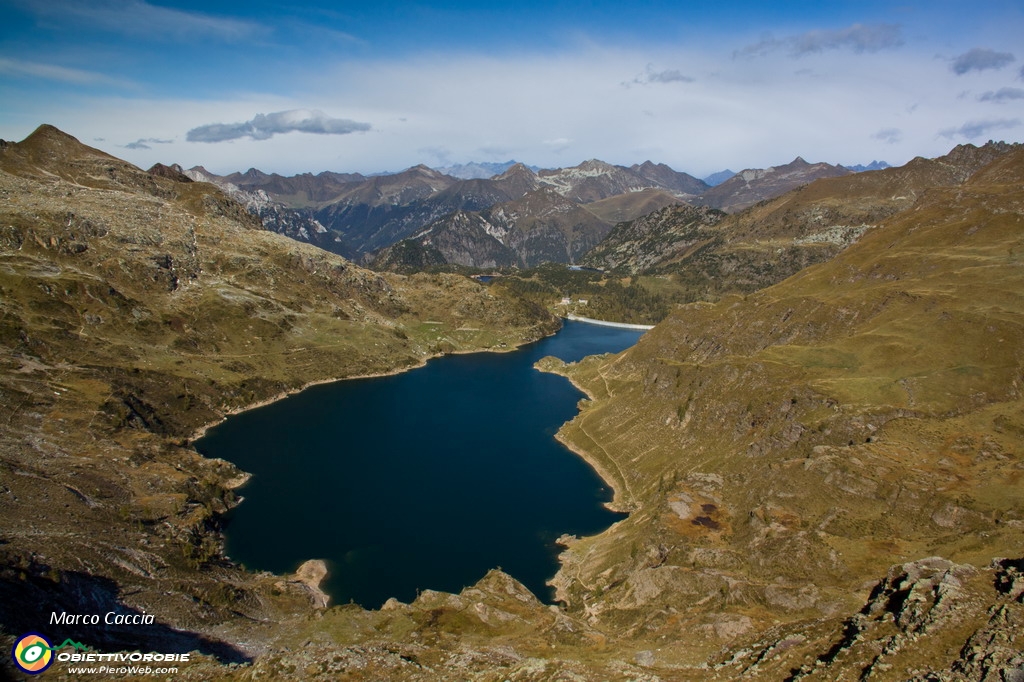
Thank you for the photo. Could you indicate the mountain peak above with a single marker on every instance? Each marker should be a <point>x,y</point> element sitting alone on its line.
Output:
<point>173,172</point>
<point>424,171</point>
<point>423,168</point>
<point>650,165</point>
<point>47,131</point>
<point>49,152</point>
<point>254,174</point>
<point>596,165</point>
<point>515,170</point>
<point>48,143</point>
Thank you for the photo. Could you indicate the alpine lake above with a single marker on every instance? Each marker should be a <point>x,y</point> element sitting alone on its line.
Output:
<point>420,480</point>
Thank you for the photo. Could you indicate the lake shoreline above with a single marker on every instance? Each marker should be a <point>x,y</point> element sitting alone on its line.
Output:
<point>618,503</point>
<point>199,433</point>
<point>581,341</point>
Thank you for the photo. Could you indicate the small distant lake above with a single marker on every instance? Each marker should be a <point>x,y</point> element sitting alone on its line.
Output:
<point>421,480</point>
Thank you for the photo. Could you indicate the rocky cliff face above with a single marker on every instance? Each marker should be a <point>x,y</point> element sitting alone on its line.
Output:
<point>542,226</point>
<point>297,224</point>
<point>655,240</point>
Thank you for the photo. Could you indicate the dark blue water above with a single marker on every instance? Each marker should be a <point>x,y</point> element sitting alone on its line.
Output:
<point>422,480</point>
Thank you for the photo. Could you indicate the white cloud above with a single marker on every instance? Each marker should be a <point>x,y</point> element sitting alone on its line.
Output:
<point>888,135</point>
<point>144,143</point>
<point>26,69</point>
<point>1002,95</point>
<point>558,144</point>
<point>664,76</point>
<point>558,110</point>
<point>265,126</point>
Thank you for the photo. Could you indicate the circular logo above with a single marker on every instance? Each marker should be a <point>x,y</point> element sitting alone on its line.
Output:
<point>32,653</point>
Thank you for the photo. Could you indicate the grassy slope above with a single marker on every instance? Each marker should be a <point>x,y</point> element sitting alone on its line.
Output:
<point>133,311</point>
<point>782,449</point>
<point>779,451</point>
<point>706,255</point>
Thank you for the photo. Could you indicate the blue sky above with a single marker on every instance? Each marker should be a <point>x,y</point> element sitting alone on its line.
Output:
<point>375,86</point>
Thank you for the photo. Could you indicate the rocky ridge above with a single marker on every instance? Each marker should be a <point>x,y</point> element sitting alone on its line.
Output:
<point>542,226</point>
<point>274,215</point>
<point>708,254</point>
<point>752,185</point>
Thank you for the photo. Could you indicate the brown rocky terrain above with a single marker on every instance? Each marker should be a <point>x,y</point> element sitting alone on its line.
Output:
<point>780,451</point>
<point>750,186</point>
<point>823,477</point>
<point>706,254</point>
<point>134,311</point>
<point>540,227</point>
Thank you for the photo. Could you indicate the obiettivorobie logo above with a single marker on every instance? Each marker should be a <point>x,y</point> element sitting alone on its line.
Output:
<point>33,654</point>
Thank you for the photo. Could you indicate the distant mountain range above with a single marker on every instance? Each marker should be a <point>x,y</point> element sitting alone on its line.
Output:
<point>481,170</point>
<point>719,177</point>
<point>752,185</point>
<point>355,215</point>
<point>358,216</point>
<point>874,165</point>
<point>713,253</point>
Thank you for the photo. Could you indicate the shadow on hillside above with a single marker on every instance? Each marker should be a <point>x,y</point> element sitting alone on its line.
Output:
<point>29,596</point>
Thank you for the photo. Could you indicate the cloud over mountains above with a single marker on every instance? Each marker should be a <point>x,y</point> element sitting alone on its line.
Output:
<point>145,143</point>
<point>975,129</point>
<point>980,59</point>
<point>265,126</point>
<point>858,37</point>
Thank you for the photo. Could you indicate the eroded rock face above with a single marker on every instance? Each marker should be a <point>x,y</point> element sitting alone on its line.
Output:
<point>930,619</point>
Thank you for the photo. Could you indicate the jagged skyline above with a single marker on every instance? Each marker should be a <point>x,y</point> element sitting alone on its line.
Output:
<point>382,87</point>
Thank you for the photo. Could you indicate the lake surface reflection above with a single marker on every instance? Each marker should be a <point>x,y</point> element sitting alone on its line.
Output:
<point>422,480</point>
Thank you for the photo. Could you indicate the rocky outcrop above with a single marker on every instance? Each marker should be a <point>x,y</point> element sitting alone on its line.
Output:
<point>641,245</point>
<point>541,227</point>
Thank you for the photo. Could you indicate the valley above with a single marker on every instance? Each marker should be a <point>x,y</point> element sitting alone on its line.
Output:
<point>819,445</point>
